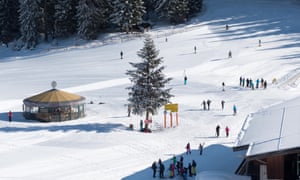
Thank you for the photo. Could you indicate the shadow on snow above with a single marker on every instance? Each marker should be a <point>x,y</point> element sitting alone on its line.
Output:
<point>59,126</point>
<point>215,157</point>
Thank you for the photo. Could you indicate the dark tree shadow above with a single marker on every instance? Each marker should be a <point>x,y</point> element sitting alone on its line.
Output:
<point>215,157</point>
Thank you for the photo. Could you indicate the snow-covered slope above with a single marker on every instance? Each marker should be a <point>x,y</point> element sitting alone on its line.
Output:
<point>99,146</point>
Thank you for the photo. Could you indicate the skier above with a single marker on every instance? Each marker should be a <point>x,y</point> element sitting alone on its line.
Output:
<point>185,80</point>
<point>121,54</point>
<point>190,169</point>
<point>129,110</point>
<point>218,130</point>
<point>241,80</point>
<point>222,104</point>
<point>234,110</point>
<point>223,86</point>
<point>262,82</point>
<point>247,82</point>
<point>9,116</point>
<point>161,170</point>
<point>204,105</point>
<point>227,131</point>
<point>154,168</point>
<point>171,171</point>
<point>174,160</point>
<point>201,148</point>
<point>257,83</point>
<point>265,84</point>
<point>194,168</point>
<point>208,104</point>
<point>229,54</point>
<point>188,148</point>
<point>141,126</point>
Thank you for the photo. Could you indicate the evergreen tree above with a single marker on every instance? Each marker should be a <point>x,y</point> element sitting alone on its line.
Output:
<point>9,25</point>
<point>127,13</point>
<point>72,18</point>
<point>148,92</point>
<point>90,18</point>
<point>63,9</point>
<point>4,23</point>
<point>30,16</point>
<point>161,7</point>
<point>178,11</point>
<point>48,17</point>
<point>195,6</point>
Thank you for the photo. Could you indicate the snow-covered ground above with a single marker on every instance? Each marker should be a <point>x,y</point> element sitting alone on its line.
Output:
<point>100,146</point>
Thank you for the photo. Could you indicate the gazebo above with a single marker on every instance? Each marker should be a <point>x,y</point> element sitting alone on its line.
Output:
<point>54,105</point>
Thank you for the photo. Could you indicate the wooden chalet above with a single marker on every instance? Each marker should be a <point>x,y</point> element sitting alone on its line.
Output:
<point>272,141</point>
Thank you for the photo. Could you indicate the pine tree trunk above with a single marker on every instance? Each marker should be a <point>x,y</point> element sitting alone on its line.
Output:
<point>147,115</point>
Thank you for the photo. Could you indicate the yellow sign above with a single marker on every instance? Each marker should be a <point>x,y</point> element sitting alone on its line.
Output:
<point>172,107</point>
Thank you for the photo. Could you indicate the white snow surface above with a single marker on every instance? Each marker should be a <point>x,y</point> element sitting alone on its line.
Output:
<point>100,146</point>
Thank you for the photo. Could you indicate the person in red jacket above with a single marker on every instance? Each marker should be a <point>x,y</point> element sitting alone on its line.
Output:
<point>227,131</point>
<point>9,116</point>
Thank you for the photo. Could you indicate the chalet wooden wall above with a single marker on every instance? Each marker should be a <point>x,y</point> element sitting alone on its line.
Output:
<point>275,167</point>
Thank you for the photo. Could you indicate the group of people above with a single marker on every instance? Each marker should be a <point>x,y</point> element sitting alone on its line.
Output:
<point>206,104</point>
<point>249,83</point>
<point>218,131</point>
<point>175,168</point>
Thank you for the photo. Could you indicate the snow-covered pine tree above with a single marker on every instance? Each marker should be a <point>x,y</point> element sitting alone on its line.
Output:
<point>14,6</point>
<point>161,7</point>
<point>127,13</point>
<point>178,11</point>
<point>149,91</point>
<point>30,16</point>
<point>48,15</point>
<point>9,24</point>
<point>195,6</point>
<point>4,23</point>
<point>89,19</point>
<point>61,17</point>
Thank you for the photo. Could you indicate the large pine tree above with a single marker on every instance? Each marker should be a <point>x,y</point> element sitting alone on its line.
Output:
<point>62,8</point>
<point>48,17</point>
<point>127,13</point>
<point>4,23</point>
<point>195,6</point>
<point>178,11</point>
<point>90,18</point>
<point>149,91</point>
<point>30,16</point>
<point>9,24</point>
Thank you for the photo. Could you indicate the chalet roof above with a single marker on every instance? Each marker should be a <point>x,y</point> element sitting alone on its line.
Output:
<point>276,129</point>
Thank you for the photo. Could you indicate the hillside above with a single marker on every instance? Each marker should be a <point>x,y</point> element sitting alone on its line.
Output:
<point>100,145</point>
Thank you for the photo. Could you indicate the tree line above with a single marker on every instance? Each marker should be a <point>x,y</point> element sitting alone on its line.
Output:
<point>30,21</point>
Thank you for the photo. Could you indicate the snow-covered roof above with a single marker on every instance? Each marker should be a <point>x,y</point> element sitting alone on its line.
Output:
<point>272,130</point>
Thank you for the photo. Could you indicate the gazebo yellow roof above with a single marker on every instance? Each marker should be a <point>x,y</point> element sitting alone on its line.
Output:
<point>53,97</point>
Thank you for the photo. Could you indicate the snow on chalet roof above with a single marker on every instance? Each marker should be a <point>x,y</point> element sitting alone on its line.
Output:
<point>272,130</point>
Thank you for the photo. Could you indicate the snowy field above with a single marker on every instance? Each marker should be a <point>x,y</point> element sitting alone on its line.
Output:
<point>100,146</point>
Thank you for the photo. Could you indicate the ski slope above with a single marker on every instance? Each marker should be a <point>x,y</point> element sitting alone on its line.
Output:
<point>100,146</point>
